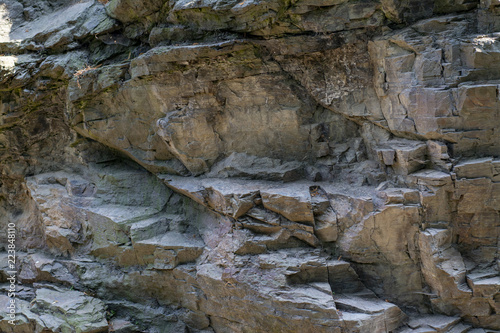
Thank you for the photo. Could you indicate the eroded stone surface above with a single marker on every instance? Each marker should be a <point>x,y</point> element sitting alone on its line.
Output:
<point>57,310</point>
<point>312,166</point>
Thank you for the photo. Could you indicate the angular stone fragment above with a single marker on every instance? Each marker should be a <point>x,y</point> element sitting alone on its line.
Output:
<point>443,266</point>
<point>152,226</point>
<point>409,158</point>
<point>475,168</point>
<point>343,278</point>
<point>292,203</point>
<point>128,11</point>
<point>387,156</point>
<point>25,321</point>
<point>485,287</point>
<point>438,154</point>
<point>460,328</point>
<point>233,201</point>
<point>439,323</point>
<point>258,226</point>
<point>432,178</point>
<point>374,322</point>
<point>119,325</point>
<point>264,215</point>
<point>399,196</point>
<point>83,313</point>
<point>353,303</point>
<point>190,187</point>
<point>57,310</point>
<point>246,166</point>
<point>403,156</point>
<point>326,228</point>
<point>168,250</point>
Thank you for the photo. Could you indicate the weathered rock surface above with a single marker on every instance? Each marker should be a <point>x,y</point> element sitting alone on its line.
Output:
<point>57,310</point>
<point>255,166</point>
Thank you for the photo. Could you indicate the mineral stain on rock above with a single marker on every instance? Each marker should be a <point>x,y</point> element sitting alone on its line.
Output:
<point>250,166</point>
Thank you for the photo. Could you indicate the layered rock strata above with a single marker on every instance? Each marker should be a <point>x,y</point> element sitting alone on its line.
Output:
<point>255,166</point>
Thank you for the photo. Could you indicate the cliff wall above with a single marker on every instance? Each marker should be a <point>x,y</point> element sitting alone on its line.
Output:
<point>251,166</point>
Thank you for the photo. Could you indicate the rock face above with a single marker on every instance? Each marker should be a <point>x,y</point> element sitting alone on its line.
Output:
<point>255,166</point>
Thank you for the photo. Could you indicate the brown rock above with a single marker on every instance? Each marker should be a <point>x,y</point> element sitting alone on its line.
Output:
<point>290,202</point>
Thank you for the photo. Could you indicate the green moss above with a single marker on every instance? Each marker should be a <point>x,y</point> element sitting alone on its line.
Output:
<point>81,104</point>
<point>76,142</point>
<point>32,106</point>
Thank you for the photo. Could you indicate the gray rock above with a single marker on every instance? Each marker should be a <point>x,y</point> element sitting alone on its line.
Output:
<point>70,310</point>
<point>312,166</point>
<point>58,310</point>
